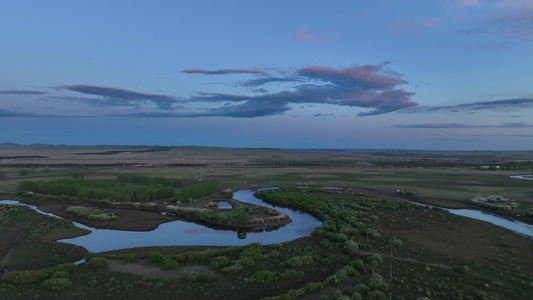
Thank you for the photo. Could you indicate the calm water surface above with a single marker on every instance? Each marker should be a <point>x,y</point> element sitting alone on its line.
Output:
<point>179,232</point>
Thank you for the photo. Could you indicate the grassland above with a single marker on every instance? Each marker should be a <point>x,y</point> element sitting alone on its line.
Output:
<point>436,254</point>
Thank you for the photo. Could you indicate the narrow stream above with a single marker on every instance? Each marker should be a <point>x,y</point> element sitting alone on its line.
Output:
<point>518,227</point>
<point>179,232</point>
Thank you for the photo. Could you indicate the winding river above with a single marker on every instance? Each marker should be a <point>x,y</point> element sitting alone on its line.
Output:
<point>180,232</point>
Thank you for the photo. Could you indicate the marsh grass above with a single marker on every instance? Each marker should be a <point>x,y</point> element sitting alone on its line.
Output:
<point>27,231</point>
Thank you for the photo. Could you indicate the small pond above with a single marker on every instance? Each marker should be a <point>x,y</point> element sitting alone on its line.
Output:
<point>179,232</point>
<point>224,205</point>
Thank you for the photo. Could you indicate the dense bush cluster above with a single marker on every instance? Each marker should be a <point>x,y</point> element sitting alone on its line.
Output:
<point>493,202</point>
<point>235,216</point>
<point>57,284</point>
<point>97,263</point>
<point>33,276</point>
<point>268,277</point>
<point>9,208</point>
<point>129,257</point>
<point>37,231</point>
<point>298,261</point>
<point>91,213</point>
<point>196,191</point>
<point>247,258</point>
<point>169,264</point>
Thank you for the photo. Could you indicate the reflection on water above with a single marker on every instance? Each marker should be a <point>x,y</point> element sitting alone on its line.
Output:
<point>178,233</point>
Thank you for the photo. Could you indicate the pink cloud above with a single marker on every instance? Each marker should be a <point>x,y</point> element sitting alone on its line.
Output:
<point>371,75</point>
<point>367,86</point>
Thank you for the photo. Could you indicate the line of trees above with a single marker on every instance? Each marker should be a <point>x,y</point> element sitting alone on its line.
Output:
<point>98,190</point>
<point>196,191</point>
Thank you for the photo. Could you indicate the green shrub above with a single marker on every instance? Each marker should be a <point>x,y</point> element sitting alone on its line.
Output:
<point>97,263</point>
<point>57,284</point>
<point>23,172</point>
<point>376,282</point>
<point>156,258</point>
<point>357,264</point>
<point>298,261</point>
<point>67,267</point>
<point>253,251</point>
<point>169,264</point>
<point>25,277</point>
<point>219,262</point>
<point>265,276</point>
<point>312,287</point>
<point>357,296</point>
<point>128,257</point>
<point>242,218</point>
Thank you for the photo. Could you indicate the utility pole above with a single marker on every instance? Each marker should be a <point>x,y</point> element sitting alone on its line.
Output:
<point>391,277</point>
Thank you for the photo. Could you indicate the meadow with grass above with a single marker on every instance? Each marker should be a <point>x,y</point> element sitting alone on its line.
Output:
<point>371,244</point>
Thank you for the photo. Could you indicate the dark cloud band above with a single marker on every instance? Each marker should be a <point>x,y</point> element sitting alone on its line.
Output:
<point>21,92</point>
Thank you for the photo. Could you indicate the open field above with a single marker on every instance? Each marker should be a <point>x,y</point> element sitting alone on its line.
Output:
<point>445,179</point>
<point>436,254</point>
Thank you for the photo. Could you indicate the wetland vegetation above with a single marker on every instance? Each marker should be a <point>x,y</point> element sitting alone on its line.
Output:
<point>371,245</point>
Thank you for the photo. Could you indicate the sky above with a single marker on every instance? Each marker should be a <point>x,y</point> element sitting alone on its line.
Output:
<point>428,75</point>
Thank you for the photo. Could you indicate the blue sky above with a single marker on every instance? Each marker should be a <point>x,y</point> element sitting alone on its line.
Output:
<point>451,75</point>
